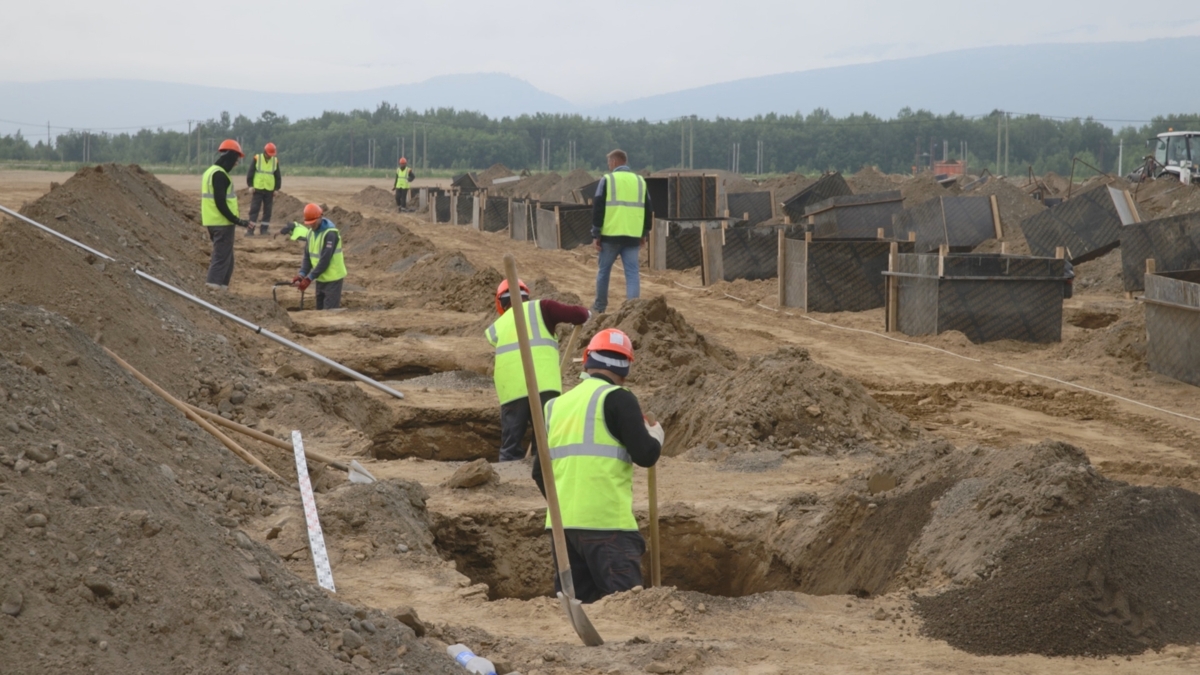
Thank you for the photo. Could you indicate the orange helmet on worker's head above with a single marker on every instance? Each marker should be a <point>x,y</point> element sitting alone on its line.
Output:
<point>312,214</point>
<point>611,340</point>
<point>402,161</point>
<point>230,145</point>
<point>269,148</point>
<point>502,293</point>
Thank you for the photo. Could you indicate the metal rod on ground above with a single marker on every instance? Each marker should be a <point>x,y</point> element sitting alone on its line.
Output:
<point>272,336</point>
<point>574,608</point>
<point>265,438</point>
<point>186,410</point>
<point>232,317</point>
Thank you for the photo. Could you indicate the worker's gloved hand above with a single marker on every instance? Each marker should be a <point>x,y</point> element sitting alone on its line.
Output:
<point>656,432</point>
<point>244,223</point>
<point>304,283</point>
<point>297,279</point>
<point>287,230</point>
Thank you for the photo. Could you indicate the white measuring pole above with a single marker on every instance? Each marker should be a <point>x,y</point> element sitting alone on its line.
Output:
<point>316,539</point>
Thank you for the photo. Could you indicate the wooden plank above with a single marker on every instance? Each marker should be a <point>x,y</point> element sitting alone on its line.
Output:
<point>892,317</point>
<point>1060,252</point>
<point>781,267</point>
<point>996,217</point>
<point>557,229</point>
<point>1137,217</point>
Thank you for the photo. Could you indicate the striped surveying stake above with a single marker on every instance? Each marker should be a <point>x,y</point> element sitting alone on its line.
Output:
<point>316,540</point>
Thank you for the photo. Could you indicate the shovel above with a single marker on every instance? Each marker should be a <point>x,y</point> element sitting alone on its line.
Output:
<point>574,608</point>
<point>655,547</point>
<point>562,366</point>
<point>286,283</point>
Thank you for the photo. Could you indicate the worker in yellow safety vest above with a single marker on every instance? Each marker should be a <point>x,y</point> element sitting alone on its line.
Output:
<point>265,179</point>
<point>596,433</point>
<point>621,218</point>
<point>404,179</point>
<point>219,213</point>
<point>542,318</point>
<point>323,261</point>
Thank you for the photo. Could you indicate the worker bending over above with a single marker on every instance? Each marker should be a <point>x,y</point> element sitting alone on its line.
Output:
<point>596,433</point>
<point>264,178</point>
<point>543,317</point>
<point>219,213</point>
<point>322,261</point>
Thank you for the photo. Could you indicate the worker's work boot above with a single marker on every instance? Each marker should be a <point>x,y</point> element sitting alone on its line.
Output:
<point>264,227</point>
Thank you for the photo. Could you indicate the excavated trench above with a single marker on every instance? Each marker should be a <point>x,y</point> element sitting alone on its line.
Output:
<point>510,552</point>
<point>444,435</point>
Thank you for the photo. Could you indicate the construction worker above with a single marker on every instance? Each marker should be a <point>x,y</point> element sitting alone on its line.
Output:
<point>621,217</point>
<point>543,317</point>
<point>294,231</point>
<point>264,178</point>
<point>596,433</point>
<point>404,176</point>
<point>323,261</point>
<point>219,213</point>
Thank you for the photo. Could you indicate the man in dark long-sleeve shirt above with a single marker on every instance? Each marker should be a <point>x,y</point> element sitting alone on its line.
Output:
<point>219,213</point>
<point>543,318</point>
<point>596,433</point>
<point>323,261</point>
<point>621,218</point>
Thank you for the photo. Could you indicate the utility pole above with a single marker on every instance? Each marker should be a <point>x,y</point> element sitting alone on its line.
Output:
<point>682,144</point>
<point>425,153</point>
<point>692,143</point>
<point>1006,116</point>
<point>998,122</point>
<point>414,143</point>
<point>759,169</point>
<point>188,142</point>
<point>1121,157</point>
<point>399,148</point>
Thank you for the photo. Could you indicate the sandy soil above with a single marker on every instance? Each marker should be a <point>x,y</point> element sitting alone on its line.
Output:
<point>949,388</point>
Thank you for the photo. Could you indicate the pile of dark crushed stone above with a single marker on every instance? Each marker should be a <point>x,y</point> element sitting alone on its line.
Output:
<point>1118,576</point>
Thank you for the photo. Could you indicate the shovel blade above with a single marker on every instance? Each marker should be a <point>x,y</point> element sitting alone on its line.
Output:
<point>580,622</point>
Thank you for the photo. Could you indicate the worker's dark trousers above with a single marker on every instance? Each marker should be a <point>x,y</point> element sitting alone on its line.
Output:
<point>515,417</point>
<point>220,268</point>
<point>266,200</point>
<point>603,562</point>
<point>329,294</point>
<point>401,199</point>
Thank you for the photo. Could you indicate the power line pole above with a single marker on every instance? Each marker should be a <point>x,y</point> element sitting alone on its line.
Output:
<point>759,165</point>
<point>692,143</point>
<point>1006,116</point>
<point>682,144</point>
<point>998,121</point>
<point>425,153</point>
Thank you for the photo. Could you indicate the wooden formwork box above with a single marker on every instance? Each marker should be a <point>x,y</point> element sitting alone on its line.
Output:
<point>835,275</point>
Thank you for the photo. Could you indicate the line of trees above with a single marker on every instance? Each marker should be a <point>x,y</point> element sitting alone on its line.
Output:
<point>452,139</point>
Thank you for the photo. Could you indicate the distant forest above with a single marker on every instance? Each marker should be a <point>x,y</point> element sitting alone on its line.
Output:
<point>451,139</point>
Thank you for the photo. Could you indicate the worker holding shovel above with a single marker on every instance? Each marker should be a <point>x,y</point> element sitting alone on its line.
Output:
<point>596,433</point>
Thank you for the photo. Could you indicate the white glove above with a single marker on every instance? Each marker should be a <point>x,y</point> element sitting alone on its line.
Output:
<point>656,432</point>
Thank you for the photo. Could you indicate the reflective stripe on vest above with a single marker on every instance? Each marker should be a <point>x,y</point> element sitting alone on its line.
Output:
<point>593,472</point>
<point>337,265</point>
<point>210,215</point>
<point>264,172</point>
<point>509,373</point>
<point>624,205</point>
<point>402,178</point>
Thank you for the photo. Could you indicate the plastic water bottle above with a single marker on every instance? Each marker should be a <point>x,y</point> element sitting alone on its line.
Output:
<point>467,659</point>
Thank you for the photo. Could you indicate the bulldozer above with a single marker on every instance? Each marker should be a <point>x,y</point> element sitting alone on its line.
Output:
<point>1176,153</point>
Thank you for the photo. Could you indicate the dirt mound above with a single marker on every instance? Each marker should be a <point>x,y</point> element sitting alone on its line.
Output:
<point>373,197</point>
<point>1102,275</point>
<point>530,187</point>
<point>779,401</point>
<point>493,172</point>
<point>787,186</point>
<point>562,192</point>
<point>922,188</point>
<point>448,280</point>
<point>285,209</point>
<point>379,244</point>
<point>1015,206</point>
<point>1117,576</point>
<point>871,179</point>
<point>121,544</point>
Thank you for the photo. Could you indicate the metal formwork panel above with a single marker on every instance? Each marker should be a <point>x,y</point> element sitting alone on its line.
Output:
<point>691,197</point>
<point>844,275</point>
<point>1173,244</point>
<point>986,297</point>
<point>546,229</point>
<point>682,243</point>
<point>1088,225</point>
<point>829,185</point>
<point>587,193</point>
<point>855,216</point>
<point>520,228</point>
<point>753,252</point>
<point>575,227</point>
<point>962,223</point>
<point>1173,324</point>
<point>495,214</point>
<point>755,207</point>
<point>442,208</point>
<point>464,209</point>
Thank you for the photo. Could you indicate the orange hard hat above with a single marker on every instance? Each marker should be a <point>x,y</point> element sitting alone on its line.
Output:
<point>610,340</point>
<point>269,148</point>
<point>230,144</point>
<point>403,161</point>
<point>502,293</point>
<point>312,214</point>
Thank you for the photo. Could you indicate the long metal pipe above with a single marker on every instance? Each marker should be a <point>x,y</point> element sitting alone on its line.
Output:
<point>211,307</point>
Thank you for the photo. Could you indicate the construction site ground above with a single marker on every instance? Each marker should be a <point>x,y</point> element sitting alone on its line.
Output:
<point>742,514</point>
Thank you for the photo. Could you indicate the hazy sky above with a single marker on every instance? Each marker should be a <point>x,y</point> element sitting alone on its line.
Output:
<point>578,50</point>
